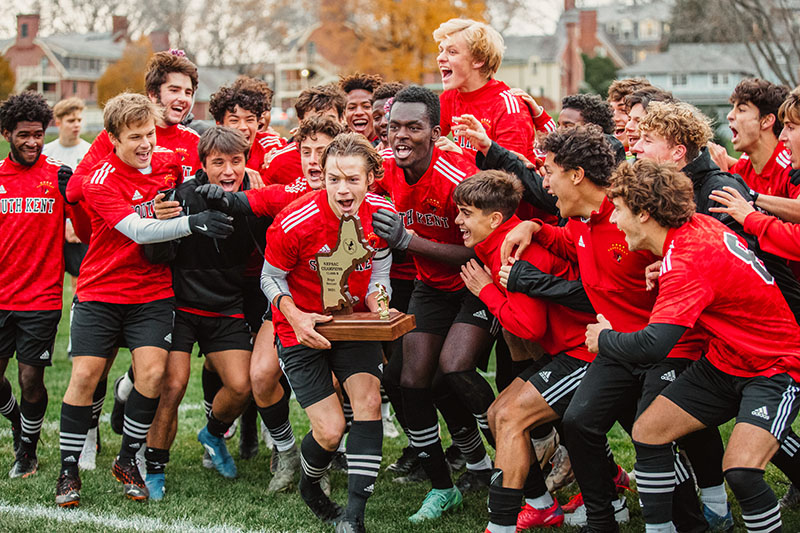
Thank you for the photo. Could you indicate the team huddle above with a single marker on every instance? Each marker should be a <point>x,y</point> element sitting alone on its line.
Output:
<point>621,267</point>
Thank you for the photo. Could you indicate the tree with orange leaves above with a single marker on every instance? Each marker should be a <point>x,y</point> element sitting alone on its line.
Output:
<point>126,74</point>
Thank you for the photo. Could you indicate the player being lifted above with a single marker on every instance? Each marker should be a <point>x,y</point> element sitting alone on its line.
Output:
<point>291,282</point>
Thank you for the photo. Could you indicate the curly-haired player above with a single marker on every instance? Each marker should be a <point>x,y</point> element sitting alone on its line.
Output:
<point>31,269</point>
<point>579,109</point>
<point>358,112</point>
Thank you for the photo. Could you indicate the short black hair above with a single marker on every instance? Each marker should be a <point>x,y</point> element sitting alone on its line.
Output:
<point>414,94</point>
<point>26,106</point>
<point>594,110</point>
<point>387,90</point>
<point>583,147</point>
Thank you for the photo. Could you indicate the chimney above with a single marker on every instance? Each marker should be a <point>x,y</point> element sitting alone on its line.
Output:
<point>569,5</point>
<point>119,28</point>
<point>159,40</point>
<point>587,30</point>
<point>27,28</point>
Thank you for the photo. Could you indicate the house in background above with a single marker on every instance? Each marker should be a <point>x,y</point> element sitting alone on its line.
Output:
<point>531,64</point>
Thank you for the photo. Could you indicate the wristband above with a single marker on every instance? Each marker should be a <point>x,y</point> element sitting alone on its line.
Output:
<point>278,301</point>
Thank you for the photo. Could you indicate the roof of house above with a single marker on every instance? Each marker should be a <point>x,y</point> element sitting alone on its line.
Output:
<point>687,58</point>
<point>211,79</point>
<point>88,45</point>
<point>522,47</point>
<point>656,10</point>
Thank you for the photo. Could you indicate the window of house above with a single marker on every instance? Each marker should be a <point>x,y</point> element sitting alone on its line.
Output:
<point>24,30</point>
<point>74,87</point>
<point>679,79</point>
<point>534,68</point>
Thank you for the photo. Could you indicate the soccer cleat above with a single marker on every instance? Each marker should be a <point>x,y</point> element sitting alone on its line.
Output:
<point>405,463</point>
<point>339,462</point>
<point>561,472</point>
<point>68,490</point>
<point>351,526</point>
<point>133,486</point>
<point>530,517</point>
<point>718,522</point>
<point>16,433</point>
<point>572,505</point>
<point>455,459</point>
<point>325,483</point>
<point>155,486</point>
<point>319,503</point>
<point>436,502</point>
<point>273,459</point>
<point>622,482</point>
<point>389,429</point>
<point>25,465</point>
<point>265,436</point>
<point>791,498</point>
<point>288,464</point>
<point>416,475</point>
<point>546,447</point>
<point>88,456</point>
<point>589,529</point>
<point>232,430</point>
<point>218,451</point>
<point>474,480</point>
<point>578,517</point>
<point>118,410</point>
<point>207,462</point>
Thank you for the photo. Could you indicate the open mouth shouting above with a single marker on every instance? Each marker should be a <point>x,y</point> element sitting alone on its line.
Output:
<point>314,178</point>
<point>345,205</point>
<point>402,151</point>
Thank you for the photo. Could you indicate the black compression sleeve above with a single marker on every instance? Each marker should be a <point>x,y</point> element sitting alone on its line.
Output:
<point>648,345</point>
<point>528,279</point>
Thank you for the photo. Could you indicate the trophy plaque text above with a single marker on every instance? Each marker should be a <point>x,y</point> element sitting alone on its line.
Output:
<point>334,269</point>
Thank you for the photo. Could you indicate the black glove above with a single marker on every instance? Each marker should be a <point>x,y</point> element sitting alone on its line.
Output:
<point>389,227</point>
<point>233,203</point>
<point>64,174</point>
<point>212,224</point>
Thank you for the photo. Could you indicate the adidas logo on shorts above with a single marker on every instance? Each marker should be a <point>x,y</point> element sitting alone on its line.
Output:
<point>761,412</point>
<point>545,374</point>
<point>480,314</point>
<point>45,355</point>
<point>168,338</point>
<point>668,376</point>
<point>380,367</point>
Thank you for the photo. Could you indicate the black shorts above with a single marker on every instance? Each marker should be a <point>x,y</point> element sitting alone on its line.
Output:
<point>256,306</point>
<point>31,334</point>
<point>435,311</point>
<point>74,253</point>
<point>309,370</point>
<point>557,380</point>
<point>98,327</point>
<point>213,334</point>
<point>714,397</point>
<point>401,293</point>
<point>657,377</point>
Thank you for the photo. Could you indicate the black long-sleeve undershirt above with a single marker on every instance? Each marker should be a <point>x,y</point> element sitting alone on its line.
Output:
<point>646,346</point>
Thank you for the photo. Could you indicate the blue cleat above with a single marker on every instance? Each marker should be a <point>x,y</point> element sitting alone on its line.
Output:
<point>215,446</point>
<point>155,484</point>
<point>718,522</point>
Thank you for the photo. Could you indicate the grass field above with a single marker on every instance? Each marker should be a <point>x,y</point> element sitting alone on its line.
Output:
<point>200,500</point>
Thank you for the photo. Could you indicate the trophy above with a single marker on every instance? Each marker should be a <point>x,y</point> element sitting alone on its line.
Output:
<point>334,268</point>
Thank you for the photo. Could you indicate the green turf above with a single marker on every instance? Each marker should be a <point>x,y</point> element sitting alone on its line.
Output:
<point>199,498</point>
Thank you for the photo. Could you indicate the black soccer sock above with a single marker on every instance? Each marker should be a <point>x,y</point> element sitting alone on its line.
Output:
<point>315,461</point>
<point>760,509</point>
<point>476,394</point>
<point>391,384</point>
<point>98,398</point>
<point>31,420</point>
<point>518,367</point>
<point>276,418</point>
<point>460,423</point>
<point>534,485</point>
<point>217,427</point>
<point>704,449</point>
<point>504,502</point>
<point>9,407</point>
<point>686,512</point>
<point>287,388</point>
<point>613,469</point>
<point>139,413</point>
<point>423,431</point>
<point>787,458</point>
<point>156,460</point>
<point>655,478</point>
<point>363,463</point>
<point>249,424</point>
<point>503,364</point>
<point>541,431</point>
<point>75,421</point>
<point>212,384</point>
<point>468,440</point>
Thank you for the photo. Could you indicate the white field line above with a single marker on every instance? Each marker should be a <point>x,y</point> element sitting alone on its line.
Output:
<point>114,522</point>
<point>53,425</point>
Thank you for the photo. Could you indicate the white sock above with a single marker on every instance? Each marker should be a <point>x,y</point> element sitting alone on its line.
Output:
<point>494,528</point>
<point>342,443</point>
<point>125,388</point>
<point>545,501</point>
<point>716,499</point>
<point>483,464</point>
<point>666,527</point>
<point>385,413</point>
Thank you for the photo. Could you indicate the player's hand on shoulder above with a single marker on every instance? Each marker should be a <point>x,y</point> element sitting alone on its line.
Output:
<point>446,145</point>
<point>64,175</point>
<point>255,178</point>
<point>505,272</point>
<point>719,155</point>
<point>212,224</point>
<point>733,203</point>
<point>518,238</point>
<point>651,274</point>
<point>164,209</point>
<point>533,106</point>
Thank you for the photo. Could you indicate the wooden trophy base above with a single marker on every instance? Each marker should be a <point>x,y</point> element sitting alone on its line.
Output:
<point>367,327</point>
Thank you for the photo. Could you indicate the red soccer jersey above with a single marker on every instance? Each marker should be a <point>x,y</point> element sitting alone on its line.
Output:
<point>612,276</point>
<point>32,233</point>
<point>285,166</point>
<point>305,228</point>
<point>268,201</point>
<point>557,328</point>
<point>427,207</point>
<point>505,116</point>
<point>774,177</point>
<point>264,143</point>
<point>115,269</point>
<point>710,278</point>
